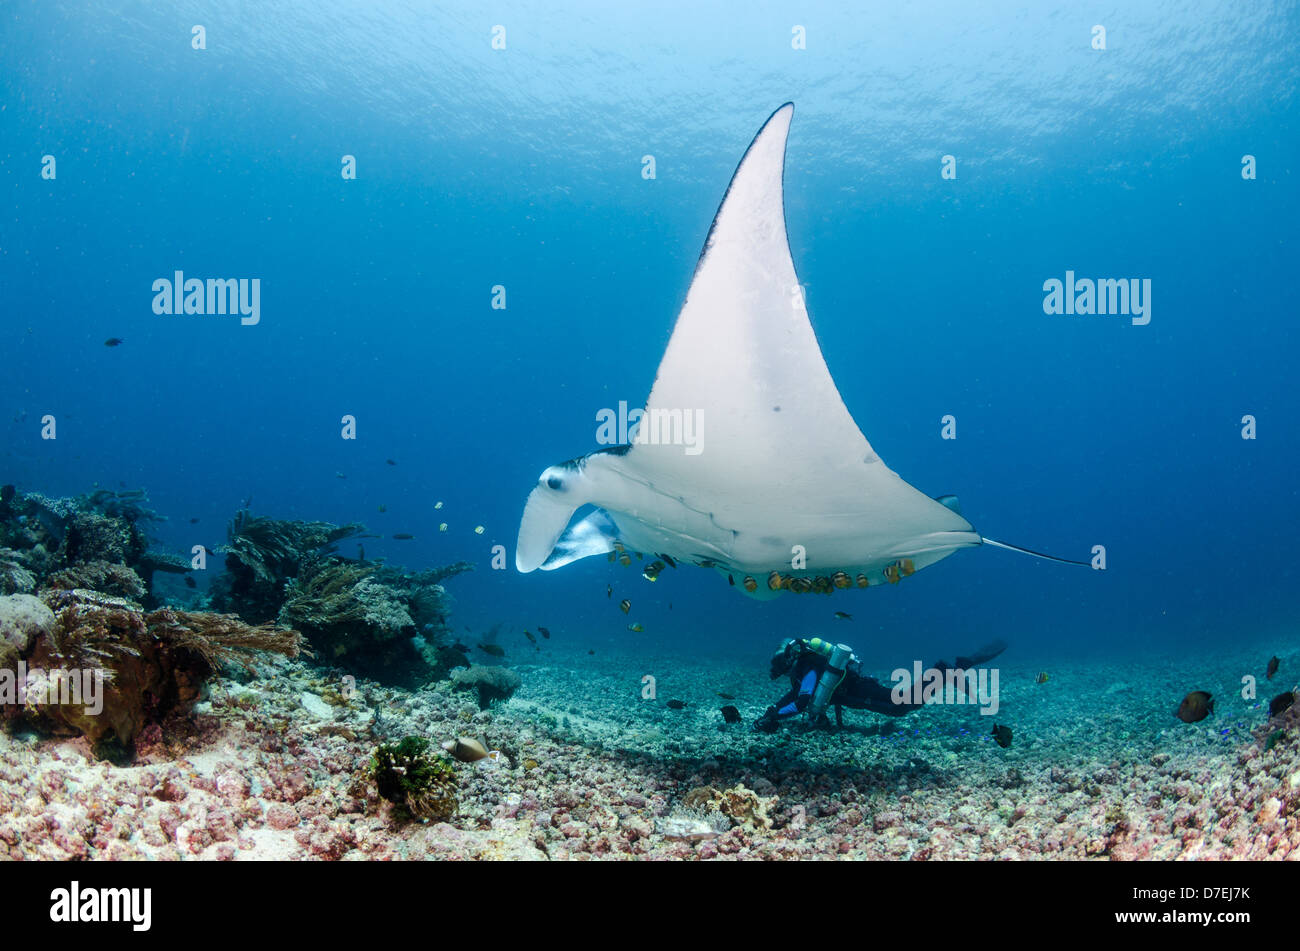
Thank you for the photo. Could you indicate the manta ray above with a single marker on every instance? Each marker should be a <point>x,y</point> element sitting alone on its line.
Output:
<point>778,489</point>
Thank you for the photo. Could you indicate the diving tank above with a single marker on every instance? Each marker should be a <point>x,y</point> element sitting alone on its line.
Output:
<point>836,663</point>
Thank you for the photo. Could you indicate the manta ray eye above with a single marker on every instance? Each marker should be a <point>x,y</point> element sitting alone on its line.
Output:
<point>554,482</point>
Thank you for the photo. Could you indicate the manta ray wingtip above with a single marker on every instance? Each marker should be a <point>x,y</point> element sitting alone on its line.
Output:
<point>786,107</point>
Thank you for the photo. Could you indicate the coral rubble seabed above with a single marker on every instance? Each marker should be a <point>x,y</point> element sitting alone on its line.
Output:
<point>280,764</point>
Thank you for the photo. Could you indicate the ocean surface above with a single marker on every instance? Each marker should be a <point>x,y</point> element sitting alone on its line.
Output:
<point>523,167</point>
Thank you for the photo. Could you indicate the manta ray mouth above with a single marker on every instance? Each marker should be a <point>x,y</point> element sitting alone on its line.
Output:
<point>787,494</point>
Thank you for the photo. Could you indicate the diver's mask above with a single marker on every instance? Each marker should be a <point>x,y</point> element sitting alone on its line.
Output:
<point>784,658</point>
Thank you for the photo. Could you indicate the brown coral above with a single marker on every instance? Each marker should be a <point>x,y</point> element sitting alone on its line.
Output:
<point>101,576</point>
<point>145,666</point>
<point>223,638</point>
<point>15,578</point>
<point>746,807</point>
<point>263,554</point>
<point>344,611</point>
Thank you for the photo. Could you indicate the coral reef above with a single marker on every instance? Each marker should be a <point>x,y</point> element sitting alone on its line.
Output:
<point>366,616</point>
<point>90,536</point>
<point>429,606</point>
<point>14,577</point>
<point>23,619</point>
<point>422,591</point>
<point>379,621</point>
<point>99,666</point>
<point>102,576</point>
<point>153,560</point>
<point>223,639</point>
<point>96,541</point>
<point>334,595</point>
<point>347,615</point>
<point>264,554</point>
<point>420,785</point>
<point>490,684</point>
<point>376,620</point>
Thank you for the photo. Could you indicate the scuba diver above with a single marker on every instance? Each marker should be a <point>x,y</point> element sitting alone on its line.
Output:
<point>822,674</point>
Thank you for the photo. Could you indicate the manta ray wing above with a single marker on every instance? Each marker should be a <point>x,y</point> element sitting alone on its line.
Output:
<point>746,455</point>
<point>743,359</point>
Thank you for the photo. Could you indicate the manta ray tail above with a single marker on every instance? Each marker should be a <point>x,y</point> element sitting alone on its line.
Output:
<point>1036,554</point>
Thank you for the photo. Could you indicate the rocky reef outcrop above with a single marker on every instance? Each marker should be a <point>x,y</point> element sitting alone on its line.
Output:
<point>367,617</point>
<point>82,662</point>
<point>98,541</point>
<point>489,683</point>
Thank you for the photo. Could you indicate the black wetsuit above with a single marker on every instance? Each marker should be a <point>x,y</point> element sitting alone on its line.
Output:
<point>857,691</point>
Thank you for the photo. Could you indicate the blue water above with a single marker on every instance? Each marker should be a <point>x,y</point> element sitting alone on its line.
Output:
<point>521,167</point>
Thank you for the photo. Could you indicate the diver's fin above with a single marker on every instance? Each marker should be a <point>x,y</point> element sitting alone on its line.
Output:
<point>593,535</point>
<point>982,656</point>
<point>1036,554</point>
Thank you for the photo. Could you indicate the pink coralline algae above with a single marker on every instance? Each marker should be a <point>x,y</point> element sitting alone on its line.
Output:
<point>255,771</point>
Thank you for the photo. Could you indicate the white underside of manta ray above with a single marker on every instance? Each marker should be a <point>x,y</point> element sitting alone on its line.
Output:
<point>782,490</point>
